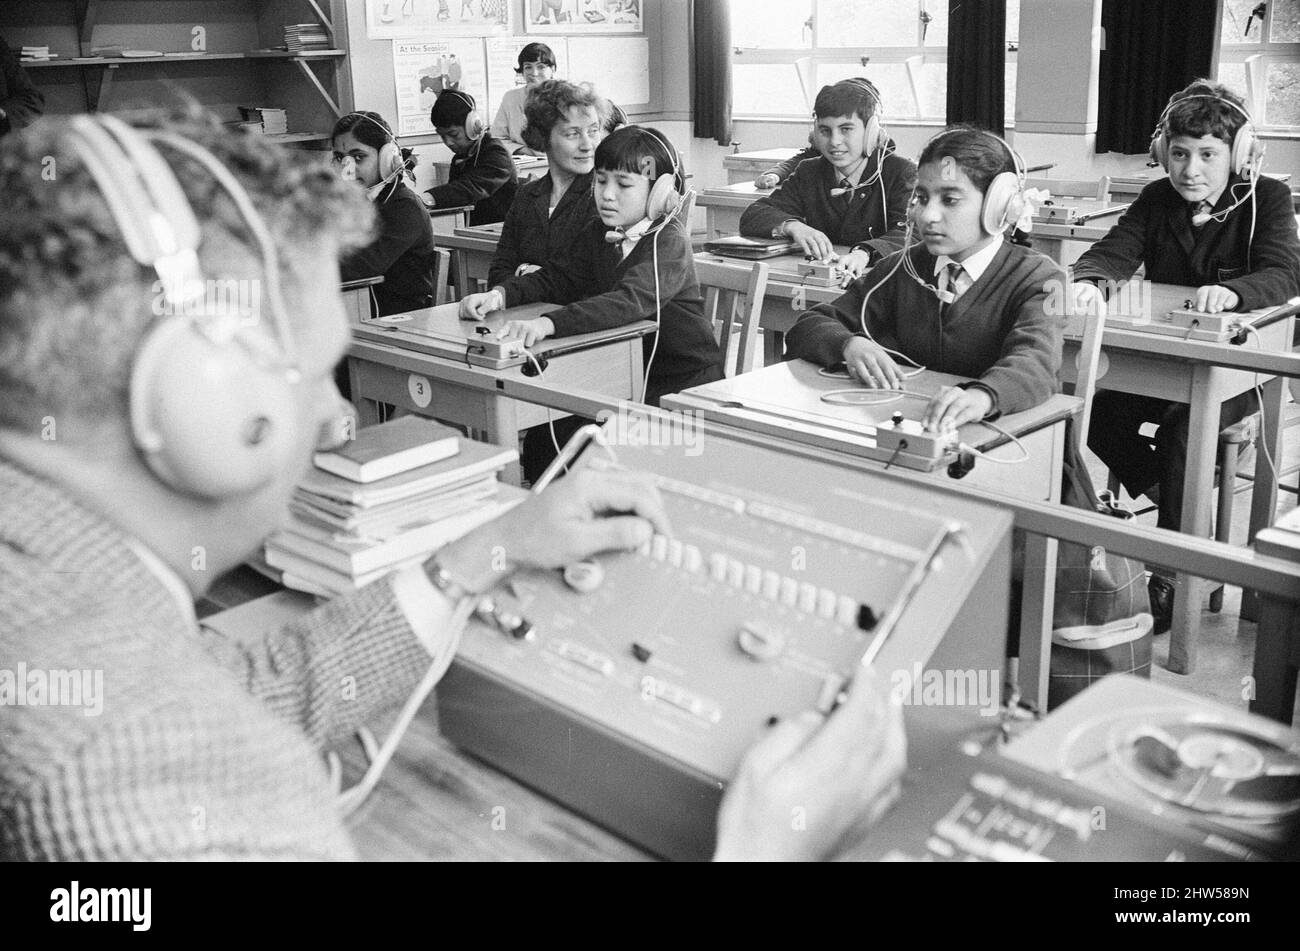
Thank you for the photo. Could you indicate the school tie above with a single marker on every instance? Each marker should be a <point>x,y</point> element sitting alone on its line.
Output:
<point>844,191</point>
<point>953,282</point>
<point>1200,208</point>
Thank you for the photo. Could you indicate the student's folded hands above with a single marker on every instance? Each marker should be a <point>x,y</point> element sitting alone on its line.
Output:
<point>478,306</point>
<point>954,407</point>
<point>867,362</point>
<point>529,331</point>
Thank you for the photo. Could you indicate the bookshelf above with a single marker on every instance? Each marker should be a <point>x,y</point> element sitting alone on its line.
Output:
<point>237,63</point>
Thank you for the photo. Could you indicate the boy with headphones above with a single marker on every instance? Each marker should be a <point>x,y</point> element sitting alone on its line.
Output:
<point>145,450</point>
<point>635,263</point>
<point>967,302</point>
<point>482,172</point>
<point>365,151</point>
<point>1214,224</point>
<point>855,193</point>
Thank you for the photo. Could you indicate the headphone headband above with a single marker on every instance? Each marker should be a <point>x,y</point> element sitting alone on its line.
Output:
<point>1004,196</point>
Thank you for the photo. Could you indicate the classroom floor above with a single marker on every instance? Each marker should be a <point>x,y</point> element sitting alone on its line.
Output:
<point>1227,645</point>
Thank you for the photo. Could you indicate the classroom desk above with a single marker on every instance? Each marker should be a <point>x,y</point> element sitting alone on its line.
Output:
<point>472,249</point>
<point>1133,362</point>
<point>425,362</point>
<point>1128,187</point>
<point>784,402</point>
<point>356,297</point>
<point>724,204</point>
<point>1065,239</point>
<point>527,168</point>
<point>1277,645</point>
<point>746,166</point>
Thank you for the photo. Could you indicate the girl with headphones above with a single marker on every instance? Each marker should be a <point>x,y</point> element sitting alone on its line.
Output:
<point>957,298</point>
<point>634,263</point>
<point>403,250</point>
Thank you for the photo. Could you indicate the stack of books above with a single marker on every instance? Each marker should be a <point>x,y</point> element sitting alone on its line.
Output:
<point>392,497</point>
<point>305,37</point>
<point>36,54</point>
<point>271,121</point>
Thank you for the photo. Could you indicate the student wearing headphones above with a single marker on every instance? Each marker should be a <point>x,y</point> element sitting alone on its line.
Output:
<point>855,193</point>
<point>150,435</point>
<point>403,251</point>
<point>482,173</point>
<point>1213,224</point>
<point>635,263</point>
<point>957,298</point>
<point>551,213</point>
<point>536,66</point>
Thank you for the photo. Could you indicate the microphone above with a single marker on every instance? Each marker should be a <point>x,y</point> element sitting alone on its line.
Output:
<point>615,237</point>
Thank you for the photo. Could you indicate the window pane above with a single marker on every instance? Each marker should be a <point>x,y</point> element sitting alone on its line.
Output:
<point>1235,15</point>
<point>932,87</point>
<point>868,22</point>
<point>766,89</point>
<point>771,24</point>
<point>891,79</point>
<point>1286,21</point>
<point>1233,75</point>
<point>1283,104</point>
<point>1013,21</point>
<point>936,34</point>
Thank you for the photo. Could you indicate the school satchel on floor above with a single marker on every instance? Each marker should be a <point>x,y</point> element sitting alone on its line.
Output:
<point>1102,620</point>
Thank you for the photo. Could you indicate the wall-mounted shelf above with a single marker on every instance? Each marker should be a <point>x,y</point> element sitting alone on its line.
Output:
<point>186,58</point>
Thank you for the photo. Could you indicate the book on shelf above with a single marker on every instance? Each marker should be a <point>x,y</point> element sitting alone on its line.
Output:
<point>273,121</point>
<point>389,448</point>
<point>305,37</point>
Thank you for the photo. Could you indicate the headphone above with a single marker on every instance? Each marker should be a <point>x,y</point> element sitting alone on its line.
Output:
<point>875,135</point>
<point>211,392</point>
<point>474,125</point>
<point>1246,147</point>
<point>1004,199</point>
<point>392,163</point>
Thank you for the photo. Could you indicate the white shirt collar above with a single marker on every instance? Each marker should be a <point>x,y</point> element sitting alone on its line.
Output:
<point>632,235</point>
<point>177,588</point>
<point>976,264</point>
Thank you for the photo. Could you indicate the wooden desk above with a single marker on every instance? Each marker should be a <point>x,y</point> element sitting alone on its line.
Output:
<point>784,402</point>
<point>427,364</point>
<point>724,204</point>
<point>356,297</point>
<point>746,166</point>
<point>1277,644</point>
<point>1128,187</point>
<point>1133,362</point>
<point>1063,241</point>
<point>472,249</point>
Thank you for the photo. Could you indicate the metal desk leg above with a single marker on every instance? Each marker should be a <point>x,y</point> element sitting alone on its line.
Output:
<point>367,409</point>
<point>1198,493</point>
<point>1036,607</point>
<point>503,429</point>
<point>1263,503</point>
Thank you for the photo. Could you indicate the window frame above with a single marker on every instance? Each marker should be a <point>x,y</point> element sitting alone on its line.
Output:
<point>933,52</point>
<point>1255,58</point>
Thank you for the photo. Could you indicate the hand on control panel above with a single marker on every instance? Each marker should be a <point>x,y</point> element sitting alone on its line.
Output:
<point>813,780</point>
<point>954,406</point>
<point>580,515</point>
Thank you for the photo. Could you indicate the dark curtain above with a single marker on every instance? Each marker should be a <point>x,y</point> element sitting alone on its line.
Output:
<point>1152,49</point>
<point>712,105</point>
<point>977,63</point>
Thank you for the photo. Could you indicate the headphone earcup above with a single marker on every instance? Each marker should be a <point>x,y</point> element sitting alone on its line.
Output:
<point>1160,149</point>
<point>872,139</point>
<point>1002,203</point>
<point>390,160</point>
<point>1244,146</point>
<point>209,420</point>
<point>474,124</point>
<point>663,198</point>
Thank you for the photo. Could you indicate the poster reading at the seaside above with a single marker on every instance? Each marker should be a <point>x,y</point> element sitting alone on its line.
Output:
<point>424,70</point>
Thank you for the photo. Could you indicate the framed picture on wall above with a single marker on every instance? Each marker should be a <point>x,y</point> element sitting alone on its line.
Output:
<point>583,16</point>
<point>391,19</point>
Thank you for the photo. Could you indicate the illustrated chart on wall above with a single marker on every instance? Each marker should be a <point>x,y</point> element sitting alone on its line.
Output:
<point>424,69</point>
<point>392,19</point>
<point>583,16</point>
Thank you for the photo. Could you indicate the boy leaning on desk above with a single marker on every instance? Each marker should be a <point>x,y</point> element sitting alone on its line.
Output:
<point>1214,224</point>
<point>123,494</point>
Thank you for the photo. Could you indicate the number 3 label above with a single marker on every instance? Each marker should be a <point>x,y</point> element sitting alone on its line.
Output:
<point>418,387</point>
